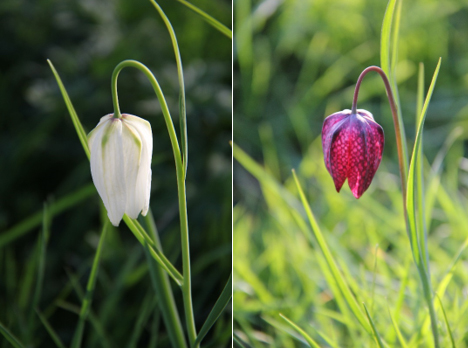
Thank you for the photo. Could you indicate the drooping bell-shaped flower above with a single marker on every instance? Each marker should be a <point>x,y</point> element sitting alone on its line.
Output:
<point>121,152</point>
<point>352,148</point>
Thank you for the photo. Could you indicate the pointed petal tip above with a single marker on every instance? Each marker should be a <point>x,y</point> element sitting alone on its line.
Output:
<point>338,187</point>
<point>114,221</point>
<point>357,191</point>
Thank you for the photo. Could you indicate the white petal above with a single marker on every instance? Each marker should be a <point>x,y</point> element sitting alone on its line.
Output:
<point>143,182</point>
<point>94,141</point>
<point>92,134</point>
<point>132,145</point>
<point>107,168</point>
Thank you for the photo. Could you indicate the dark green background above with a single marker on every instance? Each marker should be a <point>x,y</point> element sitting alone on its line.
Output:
<point>41,158</point>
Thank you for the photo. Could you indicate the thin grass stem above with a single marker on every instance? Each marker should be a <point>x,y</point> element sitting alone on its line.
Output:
<point>86,305</point>
<point>180,75</point>
<point>213,22</point>
<point>161,284</point>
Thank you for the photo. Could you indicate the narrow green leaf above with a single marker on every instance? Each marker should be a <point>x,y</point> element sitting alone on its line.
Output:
<point>421,220</point>
<point>153,343</point>
<point>180,74</point>
<point>389,60</point>
<point>385,38</point>
<point>419,93</point>
<point>218,308</point>
<point>269,149</point>
<point>44,237</point>
<point>147,306</point>
<point>31,222</point>
<point>10,337</point>
<point>210,20</point>
<point>27,280</point>
<point>143,237</point>
<point>89,290</point>
<point>416,242</point>
<point>40,262</point>
<point>76,121</point>
<point>332,264</point>
<point>395,36</point>
<point>304,334</point>
<point>374,329</point>
<point>50,330</point>
<point>397,330</point>
<point>161,285</point>
<point>447,323</point>
<point>98,324</point>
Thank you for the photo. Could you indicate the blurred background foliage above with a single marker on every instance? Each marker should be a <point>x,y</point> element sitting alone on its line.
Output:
<point>296,62</point>
<point>41,160</point>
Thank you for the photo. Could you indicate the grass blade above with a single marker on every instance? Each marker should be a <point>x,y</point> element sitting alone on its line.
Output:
<point>31,222</point>
<point>155,329</point>
<point>160,282</point>
<point>412,177</point>
<point>210,20</point>
<point>155,252</point>
<point>374,330</point>
<point>218,308</point>
<point>180,74</point>
<point>332,264</point>
<point>385,37</point>
<point>147,307</point>
<point>419,240</point>
<point>89,290</point>
<point>76,121</point>
<point>42,254</point>
<point>395,36</point>
<point>50,330</point>
<point>397,330</point>
<point>388,61</point>
<point>447,323</point>
<point>304,334</point>
<point>410,203</point>
<point>10,337</point>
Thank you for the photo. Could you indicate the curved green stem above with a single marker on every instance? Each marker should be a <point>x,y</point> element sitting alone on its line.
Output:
<point>186,285</point>
<point>396,122</point>
<point>115,97</point>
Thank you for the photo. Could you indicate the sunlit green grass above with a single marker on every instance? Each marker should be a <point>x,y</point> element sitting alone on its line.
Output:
<point>279,269</point>
<point>342,274</point>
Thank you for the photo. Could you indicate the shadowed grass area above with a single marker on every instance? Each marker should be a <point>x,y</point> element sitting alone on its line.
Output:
<point>63,281</point>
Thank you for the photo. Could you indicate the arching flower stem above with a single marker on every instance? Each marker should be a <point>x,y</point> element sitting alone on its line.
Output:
<point>423,268</point>
<point>393,106</point>
<point>180,171</point>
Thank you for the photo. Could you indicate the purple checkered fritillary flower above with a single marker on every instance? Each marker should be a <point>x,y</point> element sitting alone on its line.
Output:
<point>352,147</point>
